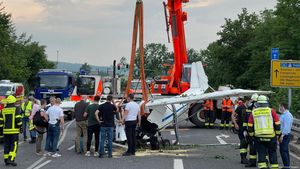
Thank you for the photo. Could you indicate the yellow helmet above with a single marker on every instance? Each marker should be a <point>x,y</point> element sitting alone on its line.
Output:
<point>10,99</point>
<point>262,99</point>
<point>254,97</point>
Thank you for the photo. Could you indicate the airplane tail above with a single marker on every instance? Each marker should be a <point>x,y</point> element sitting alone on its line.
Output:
<point>199,79</point>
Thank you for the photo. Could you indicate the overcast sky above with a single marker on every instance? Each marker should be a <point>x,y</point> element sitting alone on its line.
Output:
<point>99,31</point>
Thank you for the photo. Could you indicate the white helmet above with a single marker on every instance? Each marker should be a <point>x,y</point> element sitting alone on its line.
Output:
<point>254,97</point>
<point>262,99</point>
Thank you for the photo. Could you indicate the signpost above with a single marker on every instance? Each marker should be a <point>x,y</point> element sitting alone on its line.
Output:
<point>275,54</point>
<point>285,73</point>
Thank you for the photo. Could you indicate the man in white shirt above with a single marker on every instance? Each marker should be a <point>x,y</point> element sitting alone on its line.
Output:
<point>130,116</point>
<point>56,123</point>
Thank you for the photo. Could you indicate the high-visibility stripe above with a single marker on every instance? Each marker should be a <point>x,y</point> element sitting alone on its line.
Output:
<point>262,165</point>
<point>251,133</point>
<point>243,150</point>
<point>206,124</point>
<point>252,156</point>
<point>14,153</point>
<point>222,125</point>
<point>278,132</point>
<point>274,166</point>
<point>245,124</point>
<point>6,156</point>
<point>211,124</point>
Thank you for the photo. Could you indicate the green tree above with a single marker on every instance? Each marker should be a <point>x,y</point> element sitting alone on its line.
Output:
<point>86,67</point>
<point>156,55</point>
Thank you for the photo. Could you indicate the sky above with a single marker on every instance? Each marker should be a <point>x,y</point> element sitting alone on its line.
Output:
<point>99,31</point>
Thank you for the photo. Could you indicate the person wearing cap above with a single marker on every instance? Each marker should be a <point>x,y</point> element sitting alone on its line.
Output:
<point>251,105</point>
<point>10,123</point>
<point>264,127</point>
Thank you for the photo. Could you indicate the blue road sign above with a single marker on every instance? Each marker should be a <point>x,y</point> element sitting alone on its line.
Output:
<point>275,54</point>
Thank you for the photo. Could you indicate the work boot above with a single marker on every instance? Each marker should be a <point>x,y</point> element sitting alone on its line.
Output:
<point>250,165</point>
<point>244,161</point>
<point>13,163</point>
<point>6,162</point>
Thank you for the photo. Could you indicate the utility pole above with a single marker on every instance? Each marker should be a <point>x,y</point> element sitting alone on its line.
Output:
<point>57,58</point>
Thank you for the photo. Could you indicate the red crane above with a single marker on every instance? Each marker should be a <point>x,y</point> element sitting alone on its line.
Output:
<point>178,79</point>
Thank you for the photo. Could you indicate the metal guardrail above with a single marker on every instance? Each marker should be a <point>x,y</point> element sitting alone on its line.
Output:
<point>296,130</point>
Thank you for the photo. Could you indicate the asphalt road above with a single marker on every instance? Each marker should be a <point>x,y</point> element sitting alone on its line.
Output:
<point>212,149</point>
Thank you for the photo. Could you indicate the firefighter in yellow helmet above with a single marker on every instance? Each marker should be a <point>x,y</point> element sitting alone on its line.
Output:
<point>264,126</point>
<point>11,129</point>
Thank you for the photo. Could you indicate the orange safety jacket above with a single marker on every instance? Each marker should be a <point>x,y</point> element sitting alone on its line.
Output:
<point>208,105</point>
<point>227,105</point>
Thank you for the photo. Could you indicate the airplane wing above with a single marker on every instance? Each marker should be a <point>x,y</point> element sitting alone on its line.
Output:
<point>194,97</point>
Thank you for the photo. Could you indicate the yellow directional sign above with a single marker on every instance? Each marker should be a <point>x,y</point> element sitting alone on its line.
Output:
<point>285,73</point>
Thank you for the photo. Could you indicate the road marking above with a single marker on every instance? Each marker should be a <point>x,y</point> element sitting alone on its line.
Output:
<point>120,145</point>
<point>43,164</point>
<point>294,155</point>
<point>70,148</point>
<point>36,163</point>
<point>178,164</point>
<point>221,140</point>
<point>172,132</point>
<point>64,133</point>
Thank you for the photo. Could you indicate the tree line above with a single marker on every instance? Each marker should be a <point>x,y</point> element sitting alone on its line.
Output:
<point>20,57</point>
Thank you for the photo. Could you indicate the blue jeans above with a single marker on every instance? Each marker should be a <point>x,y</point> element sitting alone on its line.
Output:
<point>25,123</point>
<point>106,131</point>
<point>284,150</point>
<point>52,137</point>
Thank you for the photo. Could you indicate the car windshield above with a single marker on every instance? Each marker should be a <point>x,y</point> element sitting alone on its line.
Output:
<point>53,81</point>
<point>86,86</point>
<point>4,89</point>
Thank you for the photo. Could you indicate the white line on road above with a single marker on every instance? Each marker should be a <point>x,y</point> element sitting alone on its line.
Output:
<point>70,148</point>
<point>221,140</point>
<point>178,164</point>
<point>64,133</point>
<point>295,156</point>
<point>36,163</point>
<point>172,132</point>
<point>43,164</point>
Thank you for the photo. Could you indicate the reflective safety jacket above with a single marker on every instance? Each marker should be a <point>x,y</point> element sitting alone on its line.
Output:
<point>263,123</point>
<point>10,120</point>
<point>26,108</point>
<point>227,105</point>
<point>208,105</point>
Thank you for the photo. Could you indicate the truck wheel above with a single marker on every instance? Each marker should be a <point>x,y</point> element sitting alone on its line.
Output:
<point>196,115</point>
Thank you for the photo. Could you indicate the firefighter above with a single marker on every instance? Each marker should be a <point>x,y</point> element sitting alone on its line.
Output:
<point>208,107</point>
<point>238,117</point>
<point>264,126</point>
<point>227,106</point>
<point>251,105</point>
<point>10,122</point>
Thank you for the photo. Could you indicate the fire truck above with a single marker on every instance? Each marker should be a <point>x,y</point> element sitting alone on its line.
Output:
<point>7,87</point>
<point>177,79</point>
